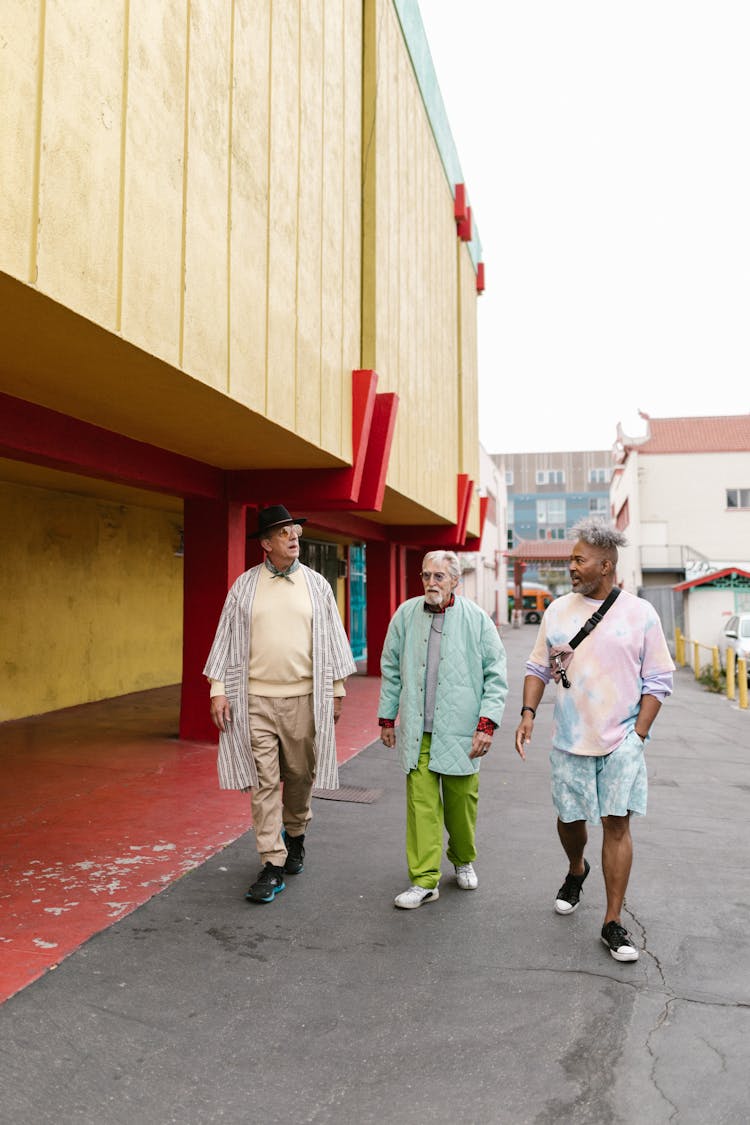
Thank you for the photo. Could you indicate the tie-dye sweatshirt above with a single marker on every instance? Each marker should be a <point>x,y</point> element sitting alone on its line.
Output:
<point>607,671</point>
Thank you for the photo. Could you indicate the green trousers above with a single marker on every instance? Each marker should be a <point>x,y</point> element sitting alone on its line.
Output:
<point>428,814</point>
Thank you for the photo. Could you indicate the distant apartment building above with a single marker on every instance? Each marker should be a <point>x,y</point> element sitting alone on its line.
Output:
<point>550,492</point>
<point>484,575</point>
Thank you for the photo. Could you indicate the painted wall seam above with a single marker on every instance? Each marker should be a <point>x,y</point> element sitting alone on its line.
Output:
<point>230,127</point>
<point>183,240</point>
<point>321,388</point>
<point>268,208</point>
<point>344,375</point>
<point>37,163</point>
<point>123,157</point>
<point>300,95</point>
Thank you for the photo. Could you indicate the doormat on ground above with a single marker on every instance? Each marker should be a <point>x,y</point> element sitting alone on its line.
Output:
<point>355,793</point>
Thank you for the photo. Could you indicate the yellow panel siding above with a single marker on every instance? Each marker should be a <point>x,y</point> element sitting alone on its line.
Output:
<point>468,403</point>
<point>332,232</point>
<point>283,187</point>
<point>79,189</point>
<point>468,384</point>
<point>92,595</point>
<point>351,213</point>
<point>249,204</point>
<point>370,197</point>
<point>153,177</point>
<point>410,328</point>
<point>310,219</point>
<point>20,76</point>
<point>204,350</point>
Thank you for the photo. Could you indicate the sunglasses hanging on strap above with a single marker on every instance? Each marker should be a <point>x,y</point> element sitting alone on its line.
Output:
<point>561,655</point>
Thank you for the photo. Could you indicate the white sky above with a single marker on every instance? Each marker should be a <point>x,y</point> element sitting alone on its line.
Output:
<point>606,154</point>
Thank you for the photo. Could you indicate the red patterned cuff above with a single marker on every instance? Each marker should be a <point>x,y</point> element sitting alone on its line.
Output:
<point>486,726</point>
<point>386,722</point>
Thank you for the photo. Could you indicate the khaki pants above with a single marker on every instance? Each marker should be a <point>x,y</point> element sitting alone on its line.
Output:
<point>282,733</point>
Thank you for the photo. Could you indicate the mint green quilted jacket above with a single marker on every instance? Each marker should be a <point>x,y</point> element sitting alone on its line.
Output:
<point>471,682</point>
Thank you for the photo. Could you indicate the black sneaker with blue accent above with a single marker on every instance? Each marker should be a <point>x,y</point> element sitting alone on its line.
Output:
<point>269,883</point>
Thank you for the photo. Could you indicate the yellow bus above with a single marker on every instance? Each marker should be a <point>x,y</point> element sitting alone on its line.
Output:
<point>535,601</point>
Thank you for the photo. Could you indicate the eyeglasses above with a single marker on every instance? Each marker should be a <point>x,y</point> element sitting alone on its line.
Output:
<point>437,575</point>
<point>289,531</point>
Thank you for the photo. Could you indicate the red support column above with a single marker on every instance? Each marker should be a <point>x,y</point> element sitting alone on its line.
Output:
<point>214,557</point>
<point>382,598</point>
<point>414,587</point>
<point>403,554</point>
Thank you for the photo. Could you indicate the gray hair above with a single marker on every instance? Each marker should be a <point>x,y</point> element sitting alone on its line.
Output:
<point>598,533</point>
<point>448,559</point>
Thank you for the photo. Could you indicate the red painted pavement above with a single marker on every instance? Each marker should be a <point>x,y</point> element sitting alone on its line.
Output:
<point>102,807</point>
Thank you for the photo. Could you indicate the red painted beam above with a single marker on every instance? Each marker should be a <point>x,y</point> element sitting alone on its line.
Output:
<point>464,490</point>
<point>449,537</point>
<point>474,542</point>
<point>39,436</point>
<point>326,488</point>
<point>465,227</point>
<point>345,523</point>
<point>378,453</point>
<point>484,503</point>
<point>359,488</point>
<point>459,203</point>
<point>480,277</point>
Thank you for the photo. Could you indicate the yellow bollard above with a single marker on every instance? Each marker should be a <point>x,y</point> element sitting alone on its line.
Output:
<point>679,650</point>
<point>697,659</point>
<point>715,664</point>
<point>742,674</point>
<point>730,673</point>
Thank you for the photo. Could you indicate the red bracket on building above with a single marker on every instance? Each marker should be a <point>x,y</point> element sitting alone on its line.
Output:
<point>360,487</point>
<point>451,537</point>
<point>378,453</point>
<point>474,543</point>
<point>459,203</point>
<point>464,228</point>
<point>480,277</point>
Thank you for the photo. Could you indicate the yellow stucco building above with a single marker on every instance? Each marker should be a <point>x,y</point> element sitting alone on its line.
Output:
<point>237,267</point>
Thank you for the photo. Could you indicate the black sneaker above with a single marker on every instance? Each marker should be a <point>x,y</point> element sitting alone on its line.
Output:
<point>269,883</point>
<point>295,858</point>
<point>618,942</point>
<point>570,892</point>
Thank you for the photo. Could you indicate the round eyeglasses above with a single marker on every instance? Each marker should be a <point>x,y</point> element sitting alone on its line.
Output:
<point>289,531</point>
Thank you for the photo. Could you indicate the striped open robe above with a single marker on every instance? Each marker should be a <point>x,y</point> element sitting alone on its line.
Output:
<point>229,661</point>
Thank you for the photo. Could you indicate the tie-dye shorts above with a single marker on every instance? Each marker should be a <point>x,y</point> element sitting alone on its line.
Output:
<point>588,788</point>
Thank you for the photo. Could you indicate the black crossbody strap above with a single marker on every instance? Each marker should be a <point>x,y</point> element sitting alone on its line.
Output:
<point>595,618</point>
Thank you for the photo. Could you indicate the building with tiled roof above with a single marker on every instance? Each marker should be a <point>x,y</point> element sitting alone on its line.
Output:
<point>681,493</point>
<point>712,434</point>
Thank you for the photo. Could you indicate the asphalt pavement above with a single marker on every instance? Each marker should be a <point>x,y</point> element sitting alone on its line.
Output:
<point>330,1006</point>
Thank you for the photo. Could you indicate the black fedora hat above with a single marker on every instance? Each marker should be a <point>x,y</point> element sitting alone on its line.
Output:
<point>275,516</point>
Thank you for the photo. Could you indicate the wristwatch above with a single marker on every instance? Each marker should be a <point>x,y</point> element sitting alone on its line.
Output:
<point>527,708</point>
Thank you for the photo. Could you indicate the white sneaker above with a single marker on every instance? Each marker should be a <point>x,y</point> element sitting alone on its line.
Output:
<point>466,877</point>
<point>415,896</point>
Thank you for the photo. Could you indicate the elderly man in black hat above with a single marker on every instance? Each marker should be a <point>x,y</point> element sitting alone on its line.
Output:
<point>277,669</point>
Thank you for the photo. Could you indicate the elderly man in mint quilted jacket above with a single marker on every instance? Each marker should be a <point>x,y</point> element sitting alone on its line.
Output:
<point>443,675</point>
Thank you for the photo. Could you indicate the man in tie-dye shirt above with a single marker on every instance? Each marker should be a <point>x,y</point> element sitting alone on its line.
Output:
<point>606,701</point>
